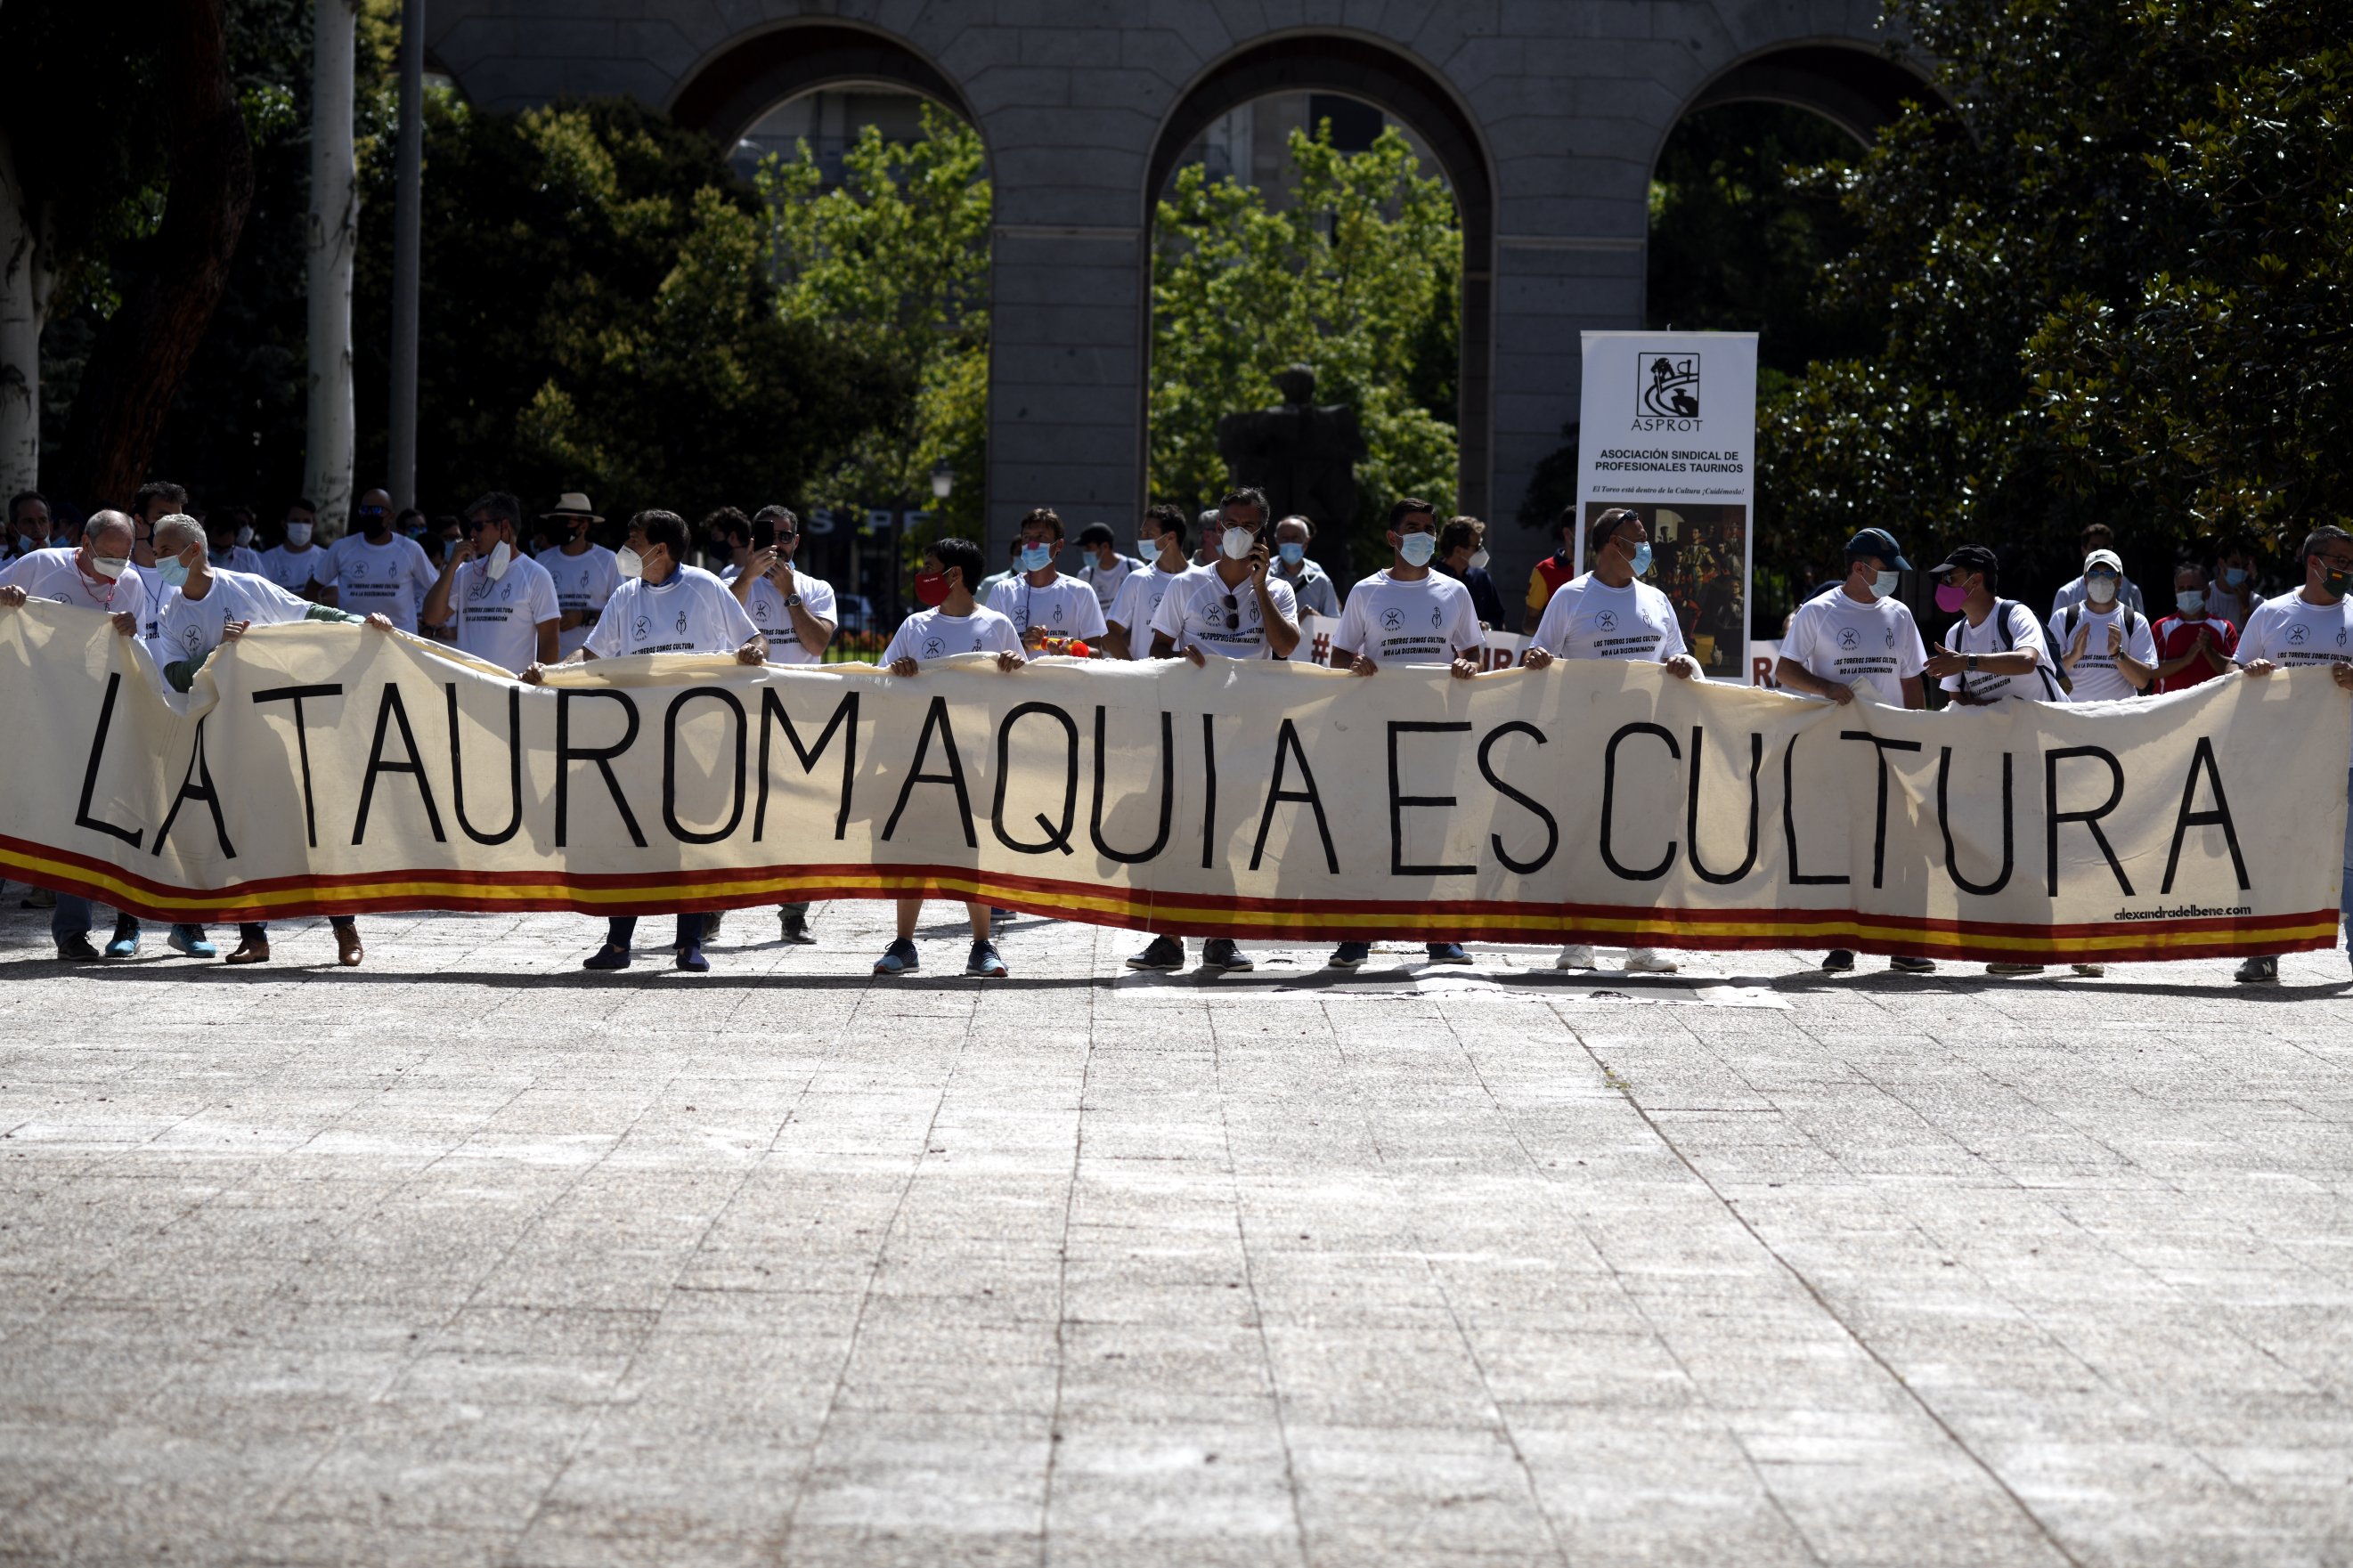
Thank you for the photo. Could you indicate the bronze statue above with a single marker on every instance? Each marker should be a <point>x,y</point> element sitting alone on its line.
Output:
<point>1303,457</point>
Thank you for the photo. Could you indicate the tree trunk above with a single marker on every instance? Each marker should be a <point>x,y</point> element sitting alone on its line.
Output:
<point>136,365</point>
<point>333,235</point>
<point>25,277</point>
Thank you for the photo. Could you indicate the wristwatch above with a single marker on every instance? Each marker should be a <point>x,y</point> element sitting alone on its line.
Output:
<point>791,599</point>
<point>1973,662</point>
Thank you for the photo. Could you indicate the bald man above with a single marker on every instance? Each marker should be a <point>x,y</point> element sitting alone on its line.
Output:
<point>376,571</point>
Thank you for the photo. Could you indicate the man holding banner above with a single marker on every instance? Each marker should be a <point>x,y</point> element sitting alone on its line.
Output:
<point>1161,541</point>
<point>1610,613</point>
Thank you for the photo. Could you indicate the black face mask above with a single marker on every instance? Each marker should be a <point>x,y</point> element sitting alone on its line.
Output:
<point>2335,584</point>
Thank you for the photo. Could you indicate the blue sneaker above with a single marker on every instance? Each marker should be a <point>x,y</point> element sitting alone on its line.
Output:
<point>899,958</point>
<point>1349,955</point>
<point>984,962</point>
<point>190,939</point>
<point>125,944</point>
<point>691,959</point>
<point>1447,953</point>
<point>606,957</point>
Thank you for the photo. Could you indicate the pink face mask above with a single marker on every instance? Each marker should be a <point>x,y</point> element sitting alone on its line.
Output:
<point>1949,599</point>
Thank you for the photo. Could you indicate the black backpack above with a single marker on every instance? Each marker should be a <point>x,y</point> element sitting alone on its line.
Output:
<point>2006,642</point>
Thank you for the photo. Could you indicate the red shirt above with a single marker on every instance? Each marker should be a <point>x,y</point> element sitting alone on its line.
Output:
<point>2176,637</point>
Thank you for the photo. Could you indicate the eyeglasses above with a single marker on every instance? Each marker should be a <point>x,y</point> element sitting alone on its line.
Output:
<point>480,525</point>
<point>2336,563</point>
<point>1233,615</point>
<point>374,510</point>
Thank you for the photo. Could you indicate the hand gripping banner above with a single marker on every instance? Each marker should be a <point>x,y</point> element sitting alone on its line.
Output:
<point>339,769</point>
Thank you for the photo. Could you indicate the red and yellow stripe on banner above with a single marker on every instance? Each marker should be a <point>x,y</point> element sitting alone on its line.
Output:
<point>1316,920</point>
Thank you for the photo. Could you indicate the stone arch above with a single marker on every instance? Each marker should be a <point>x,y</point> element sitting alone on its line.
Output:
<point>1405,87</point>
<point>729,89</point>
<point>1855,86</point>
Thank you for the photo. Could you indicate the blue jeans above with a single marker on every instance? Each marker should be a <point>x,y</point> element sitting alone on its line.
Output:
<point>622,928</point>
<point>70,919</point>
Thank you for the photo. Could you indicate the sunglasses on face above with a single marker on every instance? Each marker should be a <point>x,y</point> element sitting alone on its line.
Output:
<point>375,511</point>
<point>480,525</point>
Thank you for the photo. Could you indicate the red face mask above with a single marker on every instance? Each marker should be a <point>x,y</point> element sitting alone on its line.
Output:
<point>930,589</point>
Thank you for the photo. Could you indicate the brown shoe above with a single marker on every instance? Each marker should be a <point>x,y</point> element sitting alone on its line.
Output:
<point>253,950</point>
<point>348,951</point>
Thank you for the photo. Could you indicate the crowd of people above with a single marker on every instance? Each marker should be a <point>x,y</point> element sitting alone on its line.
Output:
<point>523,594</point>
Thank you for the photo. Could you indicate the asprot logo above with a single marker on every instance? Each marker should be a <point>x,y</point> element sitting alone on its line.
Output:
<point>1666,392</point>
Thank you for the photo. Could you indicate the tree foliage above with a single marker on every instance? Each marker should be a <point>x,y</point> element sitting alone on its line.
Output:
<point>2111,283</point>
<point>893,264</point>
<point>1360,276</point>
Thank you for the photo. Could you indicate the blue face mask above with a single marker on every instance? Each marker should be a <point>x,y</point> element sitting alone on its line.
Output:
<point>172,574</point>
<point>1037,557</point>
<point>1292,554</point>
<point>2234,576</point>
<point>1416,549</point>
<point>1641,561</point>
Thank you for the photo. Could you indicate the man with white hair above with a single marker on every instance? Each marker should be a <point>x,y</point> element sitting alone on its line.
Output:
<point>213,606</point>
<point>97,576</point>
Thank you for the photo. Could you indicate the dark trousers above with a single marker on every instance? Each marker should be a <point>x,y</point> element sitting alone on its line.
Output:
<point>622,928</point>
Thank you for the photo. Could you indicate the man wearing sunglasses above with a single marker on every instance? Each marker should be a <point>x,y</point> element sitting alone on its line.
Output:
<point>376,572</point>
<point>1233,607</point>
<point>502,602</point>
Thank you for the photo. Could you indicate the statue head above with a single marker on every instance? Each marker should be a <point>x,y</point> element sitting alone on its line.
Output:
<point>1297,384</point>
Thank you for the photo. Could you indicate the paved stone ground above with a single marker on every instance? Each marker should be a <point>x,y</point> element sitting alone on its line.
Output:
<point>468,1258</point>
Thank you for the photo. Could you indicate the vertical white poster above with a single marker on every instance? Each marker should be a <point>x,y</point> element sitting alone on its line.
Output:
<point>1669,429</point>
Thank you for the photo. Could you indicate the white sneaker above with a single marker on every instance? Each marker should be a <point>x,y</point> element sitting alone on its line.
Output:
<point>1576,955</point>
<point>2094,970</point>
<point>1648,961</point>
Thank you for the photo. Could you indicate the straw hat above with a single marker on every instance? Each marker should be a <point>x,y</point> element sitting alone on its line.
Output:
<point>572,503</point>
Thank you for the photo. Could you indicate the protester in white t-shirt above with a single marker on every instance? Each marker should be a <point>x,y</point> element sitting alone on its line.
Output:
<point>1611,613</point>
<point>2106,648</point>
<point>2313,625</point>
<point>664,607</point>
<point>1127,632</point>
<point>951,623</point>
<point>585,572</point>
<point>1039,601</point>
<point>96,575</point>
<point>502,602</point>
<point>377,571</point>
<point>793,610</point>
<point>1102,567</point>
<point>1859,634</point>
<point>29,525</point>
<point>2098,537</point>
<point>292,563</point>
<point>1237,606</point>
<point>228,535</point>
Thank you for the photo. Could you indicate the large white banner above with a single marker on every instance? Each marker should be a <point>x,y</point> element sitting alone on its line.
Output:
<point>1667,426</point>
<point>340,769</point>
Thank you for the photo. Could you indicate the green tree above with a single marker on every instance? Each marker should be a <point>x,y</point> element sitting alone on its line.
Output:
<point>893,264</point>
<point>1360,277</point>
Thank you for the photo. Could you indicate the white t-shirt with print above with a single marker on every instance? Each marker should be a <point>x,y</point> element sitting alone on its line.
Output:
<point>1836,638</point>
<point>2095,676</point>
<point>766,603</point>
<point>389,579</point>
<point>1422,620</point>
<point>1586,618</point>
<point>51,574</point>
<point>2038,685</point>
<point>191,628</point>
<point>1107,581</point>
<point>292,569</point>
<point>1193,614</point>
<point>1139,602</point>
<point>690,612</point>
<point>583,583</point>
<point>2292,631</point>
<point>500,621</point>
<point>928,634</point>
<point>1065,608</point>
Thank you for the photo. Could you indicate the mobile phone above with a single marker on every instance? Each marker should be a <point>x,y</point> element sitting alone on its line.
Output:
<point>764,535</point>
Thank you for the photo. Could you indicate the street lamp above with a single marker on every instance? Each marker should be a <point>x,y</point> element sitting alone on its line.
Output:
<point>943,480</point>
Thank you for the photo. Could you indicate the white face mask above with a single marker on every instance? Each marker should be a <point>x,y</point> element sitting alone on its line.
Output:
<point>1479,559</point>
<point>298,535</point>
<point>1238,543</point>
<point>1883,584</point>
<point>110,566</point>
<point>1416,549</point>
<point>2100,590</point>
<point>244,534</point>
<point>629,563</point>
<point>501,557</point>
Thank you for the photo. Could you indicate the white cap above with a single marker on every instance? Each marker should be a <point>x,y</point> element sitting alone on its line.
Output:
<point>2106,558</point>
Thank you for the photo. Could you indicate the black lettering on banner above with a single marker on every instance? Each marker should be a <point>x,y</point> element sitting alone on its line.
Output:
<point>1944,821</point>
<point>1610,801</point>
<point>1400,801</point>
<point>2090,819</point>
<point>191,790</point>
<point>845,718</point>
<point>389,711</point>
<point>1790,822</point>
<point>1209,788</point>
<point>566,755</point>
<point>2203,757</point>
<point>1879,835</point>
<point>1690,817</point>
<point>514,769</point>
<point>82,818</point>
<point>937,718</point>
<point>1286,746</point>
<point>1487,771</point>
<point>1056,837</point>
<point>1167,791</point>
<point>678,829</point>
<point>295,694</point>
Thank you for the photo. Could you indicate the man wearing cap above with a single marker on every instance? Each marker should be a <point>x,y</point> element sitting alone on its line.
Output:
<point>1103,567</point>
<point>2097,537</point>
<point>2106,650</point>
<point>1859,634</point>
<point>1994,654</point>
<point>584,573</point>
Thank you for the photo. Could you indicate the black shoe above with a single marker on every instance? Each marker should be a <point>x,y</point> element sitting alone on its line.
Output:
<point>1162,953</point>
<point>796,930</point>
<point>1913,965</point>
<point>1219,952</point>
<point>1448,953</point>
<point>899,958</point>
<point>76,949</point>
<point>1838,960</point>
<point>2258,971</point>
<point>1349,955</point>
